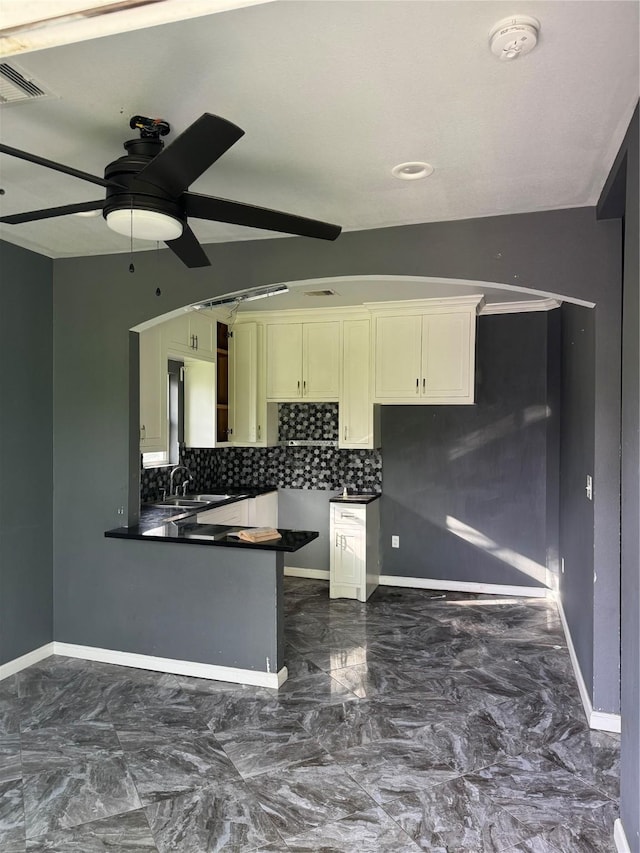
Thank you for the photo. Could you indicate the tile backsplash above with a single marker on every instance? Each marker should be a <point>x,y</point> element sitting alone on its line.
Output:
<point>284,467</point>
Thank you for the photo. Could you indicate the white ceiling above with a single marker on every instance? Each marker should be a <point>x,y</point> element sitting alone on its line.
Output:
<point>331,96</point>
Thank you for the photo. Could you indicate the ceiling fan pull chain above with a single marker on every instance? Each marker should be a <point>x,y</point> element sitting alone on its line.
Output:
<point>131,266</point>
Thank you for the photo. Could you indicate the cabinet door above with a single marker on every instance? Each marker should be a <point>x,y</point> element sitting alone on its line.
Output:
<point>202,334</point>
<point>321,361</point>
<point>347,565</point>
<point>284,361</point>
<point>154,391</point>
<point>356,409</point>
<point>447,359</point>
<point>200,403</point>
<point>244,386</point>
<point>397,363</point>
<point>176,334</point>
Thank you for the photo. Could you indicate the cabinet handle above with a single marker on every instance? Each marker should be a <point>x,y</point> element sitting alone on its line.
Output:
<point>196,337</point>
<point>346,432</point>
<point>304,387</point>
<point>424,384</point>
<point>259,430</point>
<point>417,386</point>
<point>143,430</point>
<point>298,386</point>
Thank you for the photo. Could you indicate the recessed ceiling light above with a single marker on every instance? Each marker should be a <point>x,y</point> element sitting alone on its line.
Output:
<point>412,171</point>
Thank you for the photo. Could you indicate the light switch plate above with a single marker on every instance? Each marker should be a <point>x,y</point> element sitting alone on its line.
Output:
<point>395,541</point>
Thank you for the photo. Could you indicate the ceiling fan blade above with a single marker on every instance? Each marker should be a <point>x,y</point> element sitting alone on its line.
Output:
<point>189,250</point>
<point>177,166</point>
<point>49,212</point>
<point>236,213</point>
<point>57,167</point>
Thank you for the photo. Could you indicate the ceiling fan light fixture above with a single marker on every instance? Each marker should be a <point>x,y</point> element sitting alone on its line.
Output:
<point>141,224</point>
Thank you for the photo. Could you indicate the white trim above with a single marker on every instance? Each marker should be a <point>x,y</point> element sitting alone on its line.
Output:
<point>317,574</point>
<point>582,687</point>
<point>465,586</point>
<point>520,307</point>
<point>605,721</point>
<point>15,665</point>
<point>176,667</point>
<point>601,720</point>
<point>620,838</point>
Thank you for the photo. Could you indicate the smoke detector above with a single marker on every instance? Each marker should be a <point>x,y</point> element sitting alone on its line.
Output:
<point>513,37</point>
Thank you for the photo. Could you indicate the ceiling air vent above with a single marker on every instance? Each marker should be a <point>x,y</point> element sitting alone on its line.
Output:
<point>320,293</point>
<point>16,86</point>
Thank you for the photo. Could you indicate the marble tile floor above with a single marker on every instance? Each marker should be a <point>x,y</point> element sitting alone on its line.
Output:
<point>419,721</point>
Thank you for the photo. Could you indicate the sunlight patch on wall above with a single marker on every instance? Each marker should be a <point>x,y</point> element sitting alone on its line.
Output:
<point>474,537</point>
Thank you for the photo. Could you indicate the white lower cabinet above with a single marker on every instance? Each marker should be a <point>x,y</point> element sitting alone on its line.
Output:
<point>354,552</point>
<point>234,515</point>
<point>263,510</point>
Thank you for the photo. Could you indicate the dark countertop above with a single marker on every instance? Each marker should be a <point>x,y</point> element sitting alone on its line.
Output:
<point>176,524</point>
<point>153,516</point>
<point>192,533</point>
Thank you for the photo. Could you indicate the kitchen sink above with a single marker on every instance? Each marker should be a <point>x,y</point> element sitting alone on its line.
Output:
<point>193,501</point>
<point>180,503</point>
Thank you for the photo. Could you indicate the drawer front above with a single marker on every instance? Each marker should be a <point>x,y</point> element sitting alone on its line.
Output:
<point>348,515</point>
<point>233,514</point>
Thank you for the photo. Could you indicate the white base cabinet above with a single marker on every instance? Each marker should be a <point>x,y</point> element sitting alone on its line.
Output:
<point>234,515</point>
<point>354,553</point>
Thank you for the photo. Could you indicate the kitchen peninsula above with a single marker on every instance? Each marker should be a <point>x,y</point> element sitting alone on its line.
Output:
<point>212,610</point>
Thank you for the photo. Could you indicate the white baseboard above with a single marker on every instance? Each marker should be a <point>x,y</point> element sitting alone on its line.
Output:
<point>316,574</point>
<point>175,667</point>
<point>622,845</point>
<point>465,586</point>
<point>15,665</point>
<point>431,583</point>
<point>601,720</point>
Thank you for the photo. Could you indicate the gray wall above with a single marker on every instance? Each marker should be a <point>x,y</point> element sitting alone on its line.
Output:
<point>464,487</point>
<point>96,300</point>
<point>576,461</point>
<point>630,800</point>
<point>190,602</point>
<point>26,452</point>
<point>620,199</point>
<point>307,509</point>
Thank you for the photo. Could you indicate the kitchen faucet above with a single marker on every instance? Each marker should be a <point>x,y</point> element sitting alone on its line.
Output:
<point>173,490</point>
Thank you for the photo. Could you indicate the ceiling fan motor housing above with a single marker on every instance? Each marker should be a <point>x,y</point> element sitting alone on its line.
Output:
<point>134,193</point>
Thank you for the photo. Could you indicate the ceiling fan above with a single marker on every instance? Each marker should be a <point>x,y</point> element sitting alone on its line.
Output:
<point>147,194</point>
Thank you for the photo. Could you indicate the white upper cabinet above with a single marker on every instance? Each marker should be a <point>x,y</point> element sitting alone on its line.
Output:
<point>153,392</point>
<point>284,361</point>
<point>356,414</point>
<point>447,366</point>
<point>398,353</point>
<point>303,361</point>
<point>244,383</point>
<point>426,355</point>
<point>199,403</point>
<point>191,334</point>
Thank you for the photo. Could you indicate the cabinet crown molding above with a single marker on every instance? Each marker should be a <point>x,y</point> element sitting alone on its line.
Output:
<point>412,306</point>
<point>304,315</point>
